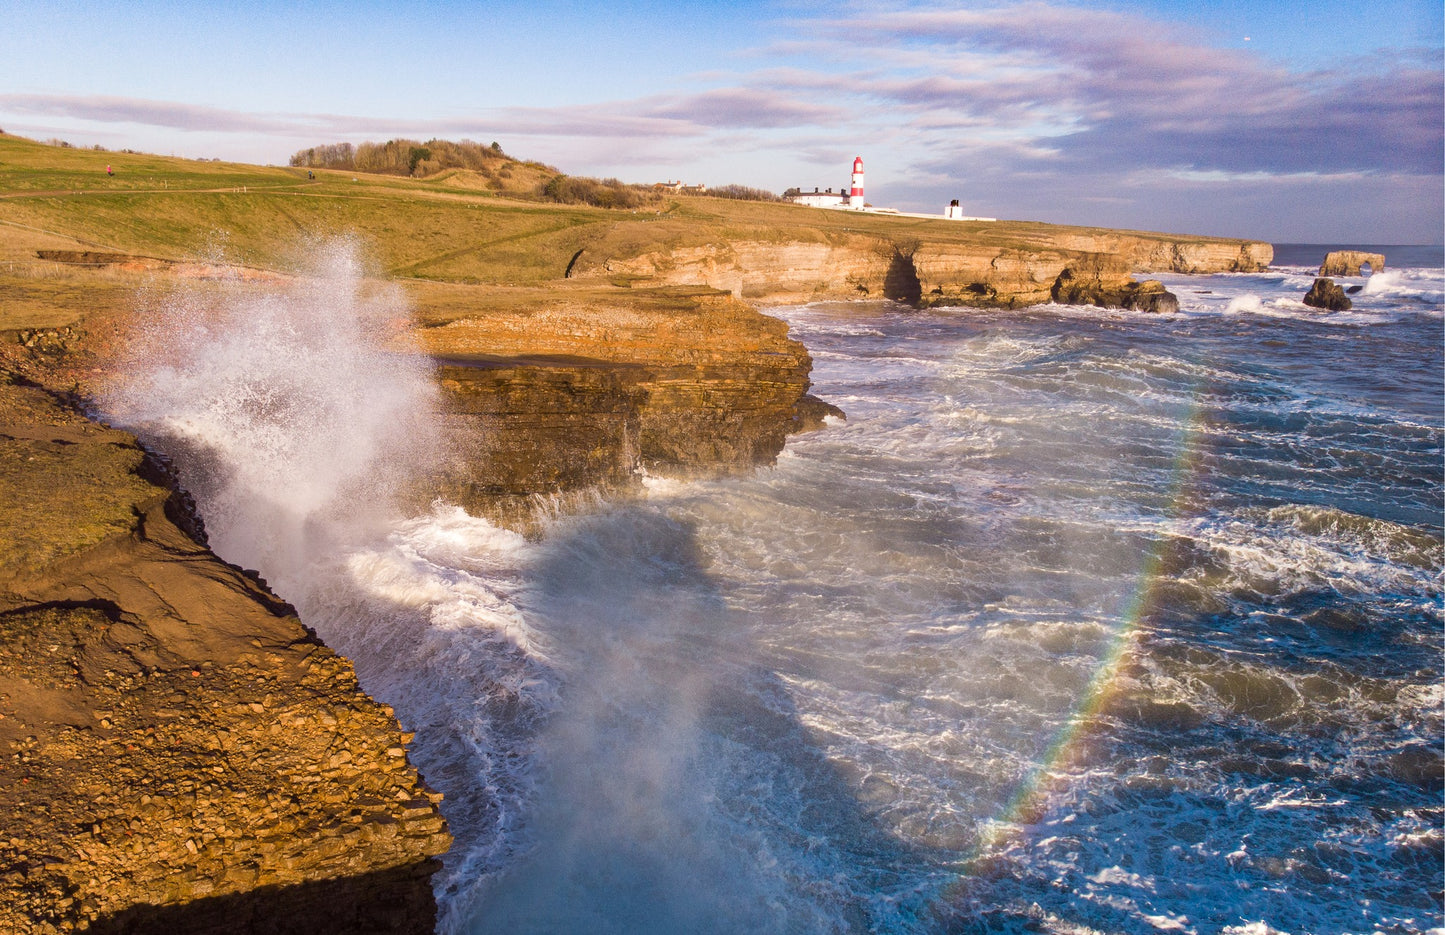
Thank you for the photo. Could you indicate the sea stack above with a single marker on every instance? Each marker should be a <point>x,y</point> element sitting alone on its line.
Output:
<point>1326,294</point>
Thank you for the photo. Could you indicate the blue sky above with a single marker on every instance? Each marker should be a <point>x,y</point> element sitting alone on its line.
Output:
<point>1315,121</point>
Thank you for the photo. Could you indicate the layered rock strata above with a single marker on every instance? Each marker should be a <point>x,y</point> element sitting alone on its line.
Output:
<point>1351,263</point>
<point>572,396</point>
<point>1096,267</point>
<point>177,752</point>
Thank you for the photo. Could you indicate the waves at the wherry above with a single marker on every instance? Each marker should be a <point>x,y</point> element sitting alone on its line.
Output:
<point>1082,621</point>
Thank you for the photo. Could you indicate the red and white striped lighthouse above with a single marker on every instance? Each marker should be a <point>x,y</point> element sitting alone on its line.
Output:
<point>855,191</point>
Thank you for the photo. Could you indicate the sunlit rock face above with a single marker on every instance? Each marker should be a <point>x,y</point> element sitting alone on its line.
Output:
<point>1351,263</point>
<point>919,271</point>
<point>180,753</point>
<point>574,396</point>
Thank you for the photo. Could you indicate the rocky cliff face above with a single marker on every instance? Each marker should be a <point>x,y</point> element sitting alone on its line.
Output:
<point>1095,265</point>
<point>180,753</point>
<point>571,396</point>
<point>177,752</point>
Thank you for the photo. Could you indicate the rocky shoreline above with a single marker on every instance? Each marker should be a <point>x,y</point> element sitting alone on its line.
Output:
<point>1035,264</point>
<point>177,749</point>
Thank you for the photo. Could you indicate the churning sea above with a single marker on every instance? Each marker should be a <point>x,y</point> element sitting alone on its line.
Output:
<point>1084,621</point>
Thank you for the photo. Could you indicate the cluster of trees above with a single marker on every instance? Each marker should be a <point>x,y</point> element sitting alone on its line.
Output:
<point>401,157</point>
<point>65,144</point>
<point>602,193</point>
<point>743,193</point>
<point>409,157</point>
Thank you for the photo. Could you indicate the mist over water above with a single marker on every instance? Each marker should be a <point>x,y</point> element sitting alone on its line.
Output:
<point>293,412</point>
<point>297,416</point>
<point>1083,621</point>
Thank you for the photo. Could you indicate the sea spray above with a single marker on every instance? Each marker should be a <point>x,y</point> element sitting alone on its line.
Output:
<point>295,413</point>
<point>298,415</point>
<point>843,695</point>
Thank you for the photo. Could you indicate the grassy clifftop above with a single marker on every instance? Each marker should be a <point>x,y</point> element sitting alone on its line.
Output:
<point>450,227</point>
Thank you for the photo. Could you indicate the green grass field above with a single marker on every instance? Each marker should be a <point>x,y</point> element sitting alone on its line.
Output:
<point>451,227</point>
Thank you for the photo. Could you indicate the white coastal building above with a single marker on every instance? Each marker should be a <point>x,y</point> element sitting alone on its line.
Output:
<point>821,199</point>
<point>954,212</point>
<point>852,200</point>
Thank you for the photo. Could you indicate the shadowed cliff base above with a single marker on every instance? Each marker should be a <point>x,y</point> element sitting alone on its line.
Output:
<point>382,902</point>
<point>901,283</point>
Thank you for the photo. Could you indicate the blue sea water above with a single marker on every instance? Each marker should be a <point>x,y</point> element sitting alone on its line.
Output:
<point>1083,621</point>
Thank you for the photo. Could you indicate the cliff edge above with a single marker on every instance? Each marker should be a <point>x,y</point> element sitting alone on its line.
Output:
<point>578,390</point>
<point>177,752</point>
<point>926,263</point>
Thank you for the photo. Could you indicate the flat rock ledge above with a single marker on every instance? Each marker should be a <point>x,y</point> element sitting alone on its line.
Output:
<point>177,752</point>
<point>573,398</point>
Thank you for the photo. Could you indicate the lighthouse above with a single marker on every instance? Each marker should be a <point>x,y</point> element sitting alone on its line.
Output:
<point>855,190</point>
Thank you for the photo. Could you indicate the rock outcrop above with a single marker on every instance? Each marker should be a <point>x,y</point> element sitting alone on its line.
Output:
<point>177,752</point>
<point>1327,294</point>
<point>1023,270</point>
<point>572,396</point>
<point>1090,286</point>
<point>1351,263</point>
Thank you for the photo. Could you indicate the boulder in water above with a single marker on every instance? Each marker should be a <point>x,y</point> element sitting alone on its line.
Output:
<point>1327,295</point>
<point>1083,284</point>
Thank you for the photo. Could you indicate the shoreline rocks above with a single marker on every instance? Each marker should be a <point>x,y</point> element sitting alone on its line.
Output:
<point>1351,263</point>
<point>1328,295</point>
<point>1024,270</point>
<point>181,753</point>
<point>571,397</point>
<point>177,751</point>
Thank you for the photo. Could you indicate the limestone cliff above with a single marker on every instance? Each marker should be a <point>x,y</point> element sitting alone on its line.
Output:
<point>1020,266</point>
<point>570,395</point>
<point>179,753</point>
<point>1351,263</point>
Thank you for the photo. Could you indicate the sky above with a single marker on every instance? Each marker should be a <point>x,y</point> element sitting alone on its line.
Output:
<point>1315,122</point>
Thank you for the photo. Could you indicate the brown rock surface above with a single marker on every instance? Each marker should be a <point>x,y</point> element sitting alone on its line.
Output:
<point>177,752</point>
<point>1351,263</point>
<point>981,273</point>
<point>1327,294</point>
<point>567,394</point>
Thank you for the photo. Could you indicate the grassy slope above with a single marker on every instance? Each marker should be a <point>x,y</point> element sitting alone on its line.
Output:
<point>448,227</point>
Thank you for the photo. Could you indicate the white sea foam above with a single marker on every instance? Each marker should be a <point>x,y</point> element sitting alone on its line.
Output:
<point>295,416</point>
<point>1249,302</point>
<point>805,700</point>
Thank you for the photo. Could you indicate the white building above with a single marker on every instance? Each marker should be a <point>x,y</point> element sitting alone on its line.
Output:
<point>850,197</point>
<point>820,199</point>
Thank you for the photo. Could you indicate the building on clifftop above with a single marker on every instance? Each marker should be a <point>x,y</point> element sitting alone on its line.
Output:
<point>851,198</point>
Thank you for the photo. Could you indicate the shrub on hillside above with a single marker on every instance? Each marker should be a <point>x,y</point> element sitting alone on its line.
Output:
<point>402,157</point>
<point>601,193</point>
<point>742,193</point>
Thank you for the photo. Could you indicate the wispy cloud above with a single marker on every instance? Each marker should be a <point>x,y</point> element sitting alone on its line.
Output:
<point>1113,87</point>
<point>178,116</point>
<point>1043,97</point>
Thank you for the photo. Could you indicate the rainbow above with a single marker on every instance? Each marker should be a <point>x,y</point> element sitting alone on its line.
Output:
<point>1061,759</point>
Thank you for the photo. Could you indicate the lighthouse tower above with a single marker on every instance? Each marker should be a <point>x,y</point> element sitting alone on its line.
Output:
<point>855,191</point>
